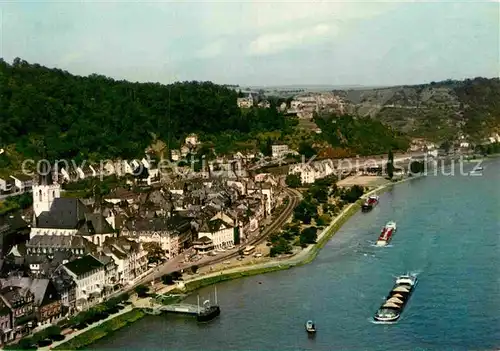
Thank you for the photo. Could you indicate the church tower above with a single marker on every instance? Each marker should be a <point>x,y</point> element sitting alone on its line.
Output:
<point>45,191</point>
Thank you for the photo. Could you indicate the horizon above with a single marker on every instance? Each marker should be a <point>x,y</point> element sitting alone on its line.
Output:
<point>237,86</point>
<point>258,44</point>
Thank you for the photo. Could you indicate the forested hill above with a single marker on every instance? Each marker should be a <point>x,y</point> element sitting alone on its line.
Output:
<point>98,117</point>
<point>438,110</point>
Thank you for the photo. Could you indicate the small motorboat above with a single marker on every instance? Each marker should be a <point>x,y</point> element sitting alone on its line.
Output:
<point>476,171</point>
<point>310,327</point>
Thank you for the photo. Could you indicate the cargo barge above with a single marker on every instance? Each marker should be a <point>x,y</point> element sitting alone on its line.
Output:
<point>391,309</point>
<point>386,234</point>
<point>370,203</point>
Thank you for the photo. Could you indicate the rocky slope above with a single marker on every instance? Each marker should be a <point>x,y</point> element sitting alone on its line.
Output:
<point>436,110</point>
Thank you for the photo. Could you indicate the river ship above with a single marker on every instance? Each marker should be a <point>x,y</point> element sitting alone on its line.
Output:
<point>370,203</point>
<point>394,304</point>
<point>386,234</point>
<point>310,327</point>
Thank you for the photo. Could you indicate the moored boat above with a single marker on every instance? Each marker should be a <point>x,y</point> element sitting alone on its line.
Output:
<point>310,327</point>
<point>391,309</point>
<point>386,234</point>
<point>370,203</point>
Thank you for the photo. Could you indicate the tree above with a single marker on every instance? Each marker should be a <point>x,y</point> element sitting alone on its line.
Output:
<point>323,220</point>
<point>308,235</point>
<point>177,275</point>
<point>281,247</point>
<point>155,252</point>
<point>352,194</point>
<point>307,150</point>
<point>446,145</point>
<point>417,167</point>
<point>167,279</point>
<point>390,165</point>
<point>194,268</point>
<point>141,290</point>
<point>267,148</point>
<point>319,193</point>
<point>305,211</point>
<point>293,180</point>
<point>141,173</point>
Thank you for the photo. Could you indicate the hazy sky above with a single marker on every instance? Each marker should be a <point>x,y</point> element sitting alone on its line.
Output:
<point>257,42</point>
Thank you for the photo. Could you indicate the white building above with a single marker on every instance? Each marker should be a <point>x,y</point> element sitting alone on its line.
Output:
<point>280,150</point>
<point>129,257</point>
<point>86,171</point>
<point>175,155</point>
<point>54,215</point>
<point>127,167</point>
<point>89,275</point>
<point>170,234</point>
<point>494,138</point>
<point>6,184</point>
<point>22,182</point>
<point>307,173</point>
<point>245,102</point>
<point>220,232</point>
<point>192,139</point>
<point>310,172</point>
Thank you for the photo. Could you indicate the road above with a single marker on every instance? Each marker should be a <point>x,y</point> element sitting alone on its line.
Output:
<point>176,264</point>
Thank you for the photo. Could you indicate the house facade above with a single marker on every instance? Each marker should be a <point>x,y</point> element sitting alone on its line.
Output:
<point>22,182</point>
<point>89,276</point>
<point>129,256</point>
<point>219,231</point>
<point>279,151</point>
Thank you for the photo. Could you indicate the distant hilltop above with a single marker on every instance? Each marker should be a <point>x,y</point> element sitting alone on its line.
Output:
<point>302,88</point>
<point>436,110</point>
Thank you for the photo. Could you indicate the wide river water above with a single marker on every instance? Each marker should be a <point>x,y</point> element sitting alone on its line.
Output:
<point>448,233</point>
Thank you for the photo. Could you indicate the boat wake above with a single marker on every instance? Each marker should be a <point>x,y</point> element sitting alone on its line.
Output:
<point>414,273</point>
<point>375,245</point>
<point>379,322</point>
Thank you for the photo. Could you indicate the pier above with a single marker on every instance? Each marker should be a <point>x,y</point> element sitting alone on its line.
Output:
<point>203,313</point>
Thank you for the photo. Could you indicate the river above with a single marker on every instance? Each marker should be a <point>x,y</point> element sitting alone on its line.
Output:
<point>448,233</point>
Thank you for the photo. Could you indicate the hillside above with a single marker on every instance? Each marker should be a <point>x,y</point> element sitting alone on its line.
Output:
<point>436,110</point>
<point>52,113</point>
<point>97,117</point>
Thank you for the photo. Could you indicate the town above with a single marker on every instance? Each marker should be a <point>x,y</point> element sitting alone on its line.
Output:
<point>76,235</point>
<point>65,254</point>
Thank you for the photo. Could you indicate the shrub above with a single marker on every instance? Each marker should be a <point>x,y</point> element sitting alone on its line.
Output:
<point>308,235</point>
<point>167,279</point>
<point>141,290</point>
<point>323,220</point>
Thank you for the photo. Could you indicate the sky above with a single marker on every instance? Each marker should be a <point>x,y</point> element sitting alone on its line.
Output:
<point>259,43</point>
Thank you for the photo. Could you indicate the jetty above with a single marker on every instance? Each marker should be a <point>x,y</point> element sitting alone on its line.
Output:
<point>203,312</point>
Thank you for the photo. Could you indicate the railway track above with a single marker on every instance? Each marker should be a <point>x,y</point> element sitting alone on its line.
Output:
<point>294,197</point>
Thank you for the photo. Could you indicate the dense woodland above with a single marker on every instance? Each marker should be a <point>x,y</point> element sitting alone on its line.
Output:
<point>363,135</point>
<point>98,117</point>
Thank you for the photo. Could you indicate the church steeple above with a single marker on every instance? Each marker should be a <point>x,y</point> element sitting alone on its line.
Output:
<point>45,174</point>
<point>46,190</point>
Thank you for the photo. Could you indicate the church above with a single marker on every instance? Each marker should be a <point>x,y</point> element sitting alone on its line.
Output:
<point>59,216</point>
